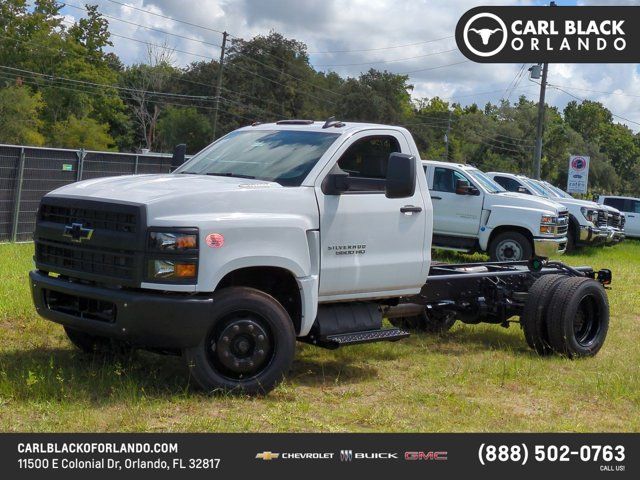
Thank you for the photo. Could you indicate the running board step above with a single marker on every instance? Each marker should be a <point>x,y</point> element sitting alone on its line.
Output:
<point>367,336</point>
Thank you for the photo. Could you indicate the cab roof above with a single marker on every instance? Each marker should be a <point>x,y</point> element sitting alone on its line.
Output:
<point>334,126</point>
<point>449,164</point>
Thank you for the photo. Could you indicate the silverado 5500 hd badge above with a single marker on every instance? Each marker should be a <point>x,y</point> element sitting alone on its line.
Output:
<point>349,249</point>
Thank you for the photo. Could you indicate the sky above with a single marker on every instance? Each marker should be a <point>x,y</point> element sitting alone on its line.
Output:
<point>400,36</point>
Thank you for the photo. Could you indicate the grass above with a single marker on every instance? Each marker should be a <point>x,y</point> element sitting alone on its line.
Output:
<point>475,378</point>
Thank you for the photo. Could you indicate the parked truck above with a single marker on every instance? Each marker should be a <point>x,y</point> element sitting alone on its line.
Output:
<point>472,213</point>
<point>314,231</point>
<point>587,220</point>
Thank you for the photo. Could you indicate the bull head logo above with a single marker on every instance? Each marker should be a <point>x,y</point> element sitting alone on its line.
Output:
<point>485,33</point>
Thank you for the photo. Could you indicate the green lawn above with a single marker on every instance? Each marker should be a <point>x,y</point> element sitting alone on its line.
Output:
<point>476,378</point>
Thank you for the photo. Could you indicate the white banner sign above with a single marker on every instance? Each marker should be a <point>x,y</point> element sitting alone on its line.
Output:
<point>578,178</point>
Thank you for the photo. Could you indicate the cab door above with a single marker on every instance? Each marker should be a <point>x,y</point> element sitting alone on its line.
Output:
<point>632,214</point>
<point>370,243</point>
<point>453,214</point>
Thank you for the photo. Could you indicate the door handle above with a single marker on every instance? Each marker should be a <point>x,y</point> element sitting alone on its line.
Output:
<point>410,209</point>
<point>436,198</point>
<point>631,216</point>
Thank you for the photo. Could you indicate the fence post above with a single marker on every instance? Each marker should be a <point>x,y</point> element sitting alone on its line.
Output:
<point>135,165</point>
<point>81,154</point>
<point>18,197</point>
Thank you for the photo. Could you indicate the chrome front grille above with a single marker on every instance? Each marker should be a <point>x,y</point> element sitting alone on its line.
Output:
<point>563,223</point>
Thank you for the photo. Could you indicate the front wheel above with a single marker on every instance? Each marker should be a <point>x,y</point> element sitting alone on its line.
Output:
<point>249,347</point>
<point>510,247</point>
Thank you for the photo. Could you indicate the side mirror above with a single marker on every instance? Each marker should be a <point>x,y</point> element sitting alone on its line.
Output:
<point>335,183</point>
<point>462,187</point>
<point>401,176</point>
<point>179,153</point>
<point>522,189</point>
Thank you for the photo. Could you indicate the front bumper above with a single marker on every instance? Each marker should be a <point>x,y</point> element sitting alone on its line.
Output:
<point>614,236</point>
<point>546,247</point>
<point>142,318</point>
<point>592,235</point>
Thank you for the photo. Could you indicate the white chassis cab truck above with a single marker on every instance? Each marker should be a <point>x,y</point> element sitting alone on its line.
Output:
<point>313,231</point>
<point>473,213</point>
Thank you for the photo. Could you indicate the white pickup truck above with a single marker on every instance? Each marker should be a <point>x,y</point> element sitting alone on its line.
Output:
<point>587,220</point>
<point>471,212</point>
<point>303,230</point>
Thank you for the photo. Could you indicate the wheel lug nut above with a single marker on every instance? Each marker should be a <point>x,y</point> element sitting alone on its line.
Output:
<point>237,364</point>
<point>261,337</point>
<point>260,352</point>
<point>225,339</point>
<point>251,364</point>
<point>251,327</point>
<point>236,328</point>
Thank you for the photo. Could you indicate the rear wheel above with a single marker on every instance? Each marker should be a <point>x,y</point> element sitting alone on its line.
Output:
<point>534,314</point>
<point>425,323</point>
<point>578,317</point>
<point>510,247</point>
<point>249,347</point>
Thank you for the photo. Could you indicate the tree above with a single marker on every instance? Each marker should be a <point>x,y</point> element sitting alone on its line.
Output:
<point>82,133</point>
<point>184,125</point>
<point>20,113</point>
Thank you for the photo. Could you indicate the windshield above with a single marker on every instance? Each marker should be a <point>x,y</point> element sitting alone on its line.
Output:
<point>282,156</point>
<point>488,184</point>
<point>557,191</point>
<point>538,188</point>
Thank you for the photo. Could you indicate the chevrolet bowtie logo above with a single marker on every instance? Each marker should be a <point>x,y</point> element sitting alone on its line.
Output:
<point>77,232</point>
<point>267,455</point>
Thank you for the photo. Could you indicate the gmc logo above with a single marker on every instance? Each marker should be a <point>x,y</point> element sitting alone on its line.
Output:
<point>429,456</point>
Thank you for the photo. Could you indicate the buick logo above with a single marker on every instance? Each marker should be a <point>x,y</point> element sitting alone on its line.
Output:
<point>77,232</point>
<point>485,34</point>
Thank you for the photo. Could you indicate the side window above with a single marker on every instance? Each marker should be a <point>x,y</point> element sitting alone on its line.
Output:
<point>445,179</point>
<point>368,158</point>
<point>615,203</point>
<point>632,206</point>
<point>509,184</point>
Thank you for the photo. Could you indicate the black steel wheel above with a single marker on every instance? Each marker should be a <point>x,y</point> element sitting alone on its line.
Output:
<point>250,345</point>
<point>510,247</point>
<point>578,317</point>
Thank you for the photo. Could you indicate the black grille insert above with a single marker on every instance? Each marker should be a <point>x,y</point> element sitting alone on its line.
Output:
<point>81,307</point>
<point>110,263</point>
<point>89,217</point>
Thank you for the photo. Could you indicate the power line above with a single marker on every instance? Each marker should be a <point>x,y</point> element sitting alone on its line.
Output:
<point>387,61</point>
<point>166,17</point>
<point>381,48</point>
<point>433,68</point>
<point>584,99</point>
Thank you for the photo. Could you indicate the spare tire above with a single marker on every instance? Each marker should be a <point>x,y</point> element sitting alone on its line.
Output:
<point>578,317</point>
<point>533,319</point>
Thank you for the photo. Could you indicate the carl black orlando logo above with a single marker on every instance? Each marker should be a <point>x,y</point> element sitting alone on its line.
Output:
<point>485,34</point>
<point>550,34</point>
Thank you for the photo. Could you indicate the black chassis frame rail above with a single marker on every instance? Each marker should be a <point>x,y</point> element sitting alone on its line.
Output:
<point>491,292</point>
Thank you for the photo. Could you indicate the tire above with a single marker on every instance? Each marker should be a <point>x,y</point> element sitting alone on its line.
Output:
<point>424,323</point>
<point>94,344</point>
<point>578,317</point>
<point>533,319</point>
<point>510,247</point>
<point>571,239</point>
<point>249,347</point>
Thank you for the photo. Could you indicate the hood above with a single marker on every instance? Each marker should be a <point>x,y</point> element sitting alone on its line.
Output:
<point>179,199</point>
<point>523,200</point>
<point>577,203</point>
<point>150,189</point>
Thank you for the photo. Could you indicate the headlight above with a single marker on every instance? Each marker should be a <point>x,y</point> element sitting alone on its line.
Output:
<point>173,241</point>
<point>591,215</point>
<point>548,224</point>
<point>168,270</point>
<point>172,255</point>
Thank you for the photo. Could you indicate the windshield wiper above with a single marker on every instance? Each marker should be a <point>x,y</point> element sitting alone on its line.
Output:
<point>229,174</point>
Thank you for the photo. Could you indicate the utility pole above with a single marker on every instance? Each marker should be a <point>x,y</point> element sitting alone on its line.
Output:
<point>219,83</point>
<point>537,156</point>
<point>446,139</point>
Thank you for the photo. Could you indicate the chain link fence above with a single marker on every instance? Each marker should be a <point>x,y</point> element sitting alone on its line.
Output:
<point>28,173</point>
